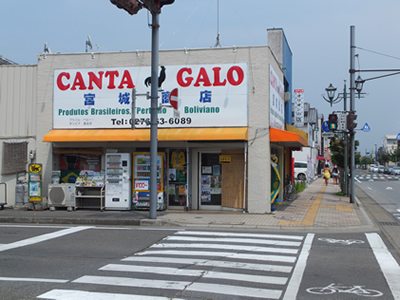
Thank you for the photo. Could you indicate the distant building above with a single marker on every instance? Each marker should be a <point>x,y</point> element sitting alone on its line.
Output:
<point>5,61</point>
<point>390,143</point>
<point>314,153</point>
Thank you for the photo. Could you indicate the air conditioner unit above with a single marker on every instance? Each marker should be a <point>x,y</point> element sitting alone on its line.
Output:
<point>61,195</point>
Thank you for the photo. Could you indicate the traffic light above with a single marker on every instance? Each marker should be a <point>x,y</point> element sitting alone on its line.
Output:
<point>351,125</point>
<point>131,6</point>
<point>333,122</point>
<point>161,3</point>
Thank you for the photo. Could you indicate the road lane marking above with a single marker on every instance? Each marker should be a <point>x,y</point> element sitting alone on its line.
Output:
<point>19,279</point>
<point>297,276</point>
<point>59,294</point>
<point>211,263</point>
<point>42,238</point>
<point>197,273</point>
<point>387,263</point>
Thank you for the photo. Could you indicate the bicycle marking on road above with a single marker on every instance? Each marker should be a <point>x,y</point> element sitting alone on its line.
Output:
<point>332,288</point>
<point>42,238</point>
<point>389,266</point>
<point>343,242</point>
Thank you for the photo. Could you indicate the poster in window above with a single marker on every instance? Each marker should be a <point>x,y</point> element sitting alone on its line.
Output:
<point>206,170</point>
<point>216,170</point>
<point>205,188</point>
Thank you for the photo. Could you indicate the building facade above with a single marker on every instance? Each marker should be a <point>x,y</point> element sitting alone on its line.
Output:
<point>221,118</point>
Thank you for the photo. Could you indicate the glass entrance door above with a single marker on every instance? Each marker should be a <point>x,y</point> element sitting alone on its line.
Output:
<point>210,181</point>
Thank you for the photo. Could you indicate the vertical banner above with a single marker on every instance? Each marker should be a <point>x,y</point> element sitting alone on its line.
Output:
<point>276,101</point>
<point>299,107</point>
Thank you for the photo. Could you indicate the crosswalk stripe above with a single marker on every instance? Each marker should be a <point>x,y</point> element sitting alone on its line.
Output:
<point>211,263</point>
<point>280,258</point>
<point>248,235</point>
<point>235,290</point>
<point>181,285</point>
<point>197,273</point>
<point>234,240</point>
<point>59,294</point>
<point>230,247</point>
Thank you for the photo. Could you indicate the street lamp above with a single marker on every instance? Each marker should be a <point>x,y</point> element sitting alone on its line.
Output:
<point>330,90</point>
<point>154,6</point>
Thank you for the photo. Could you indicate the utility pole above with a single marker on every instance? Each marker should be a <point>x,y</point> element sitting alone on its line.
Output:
<point>352,108</point>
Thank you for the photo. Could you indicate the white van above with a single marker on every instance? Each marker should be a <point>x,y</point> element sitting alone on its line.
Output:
<point>300,170</point>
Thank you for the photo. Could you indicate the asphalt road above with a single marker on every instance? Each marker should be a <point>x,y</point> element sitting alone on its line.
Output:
<point>384,189</point>
<point>55,262</point>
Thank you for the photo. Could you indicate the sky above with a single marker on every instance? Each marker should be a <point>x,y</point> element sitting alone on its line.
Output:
<point>318,33</point>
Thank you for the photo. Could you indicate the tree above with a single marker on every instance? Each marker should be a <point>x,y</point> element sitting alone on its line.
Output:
<point>337,151</point>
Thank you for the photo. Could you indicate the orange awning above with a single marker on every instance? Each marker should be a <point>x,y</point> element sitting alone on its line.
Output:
<point>286,138</point>
<point>143,135</point>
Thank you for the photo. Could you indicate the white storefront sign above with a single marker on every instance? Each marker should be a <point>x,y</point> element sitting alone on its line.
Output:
<point>299,107</point>
<point>208,96</point>
<point>276,101</point>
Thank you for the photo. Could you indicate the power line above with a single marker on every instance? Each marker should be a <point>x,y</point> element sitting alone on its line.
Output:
<point>378,53</point>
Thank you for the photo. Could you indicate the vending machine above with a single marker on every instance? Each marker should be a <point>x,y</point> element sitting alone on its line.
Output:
<point>141,181</point>
<point>118,181</point>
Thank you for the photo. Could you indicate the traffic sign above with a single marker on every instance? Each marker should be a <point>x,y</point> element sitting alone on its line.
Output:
<point>398,137</point>
<point>316,128</point>
<point>173,98</point>
<point>327,134</point>
<point>366,128</point>
<point>325,126</point>
<point>342,122</point>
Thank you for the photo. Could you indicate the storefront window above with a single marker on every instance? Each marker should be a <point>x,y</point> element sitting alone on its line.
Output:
<point>72,164</point>
<point>177,178</point>
<point>210,185</point>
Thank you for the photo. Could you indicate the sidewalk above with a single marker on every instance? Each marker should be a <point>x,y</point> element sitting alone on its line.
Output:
<point>317,208</point>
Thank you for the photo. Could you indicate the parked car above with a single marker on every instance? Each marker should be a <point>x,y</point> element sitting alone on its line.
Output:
<point>395,170</point>
<point>300,170</point>
<point>371,167</point>
<point>375,169</point>
<point>381,169</point>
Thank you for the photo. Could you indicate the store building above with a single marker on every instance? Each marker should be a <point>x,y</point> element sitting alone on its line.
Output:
<point>221,117</point>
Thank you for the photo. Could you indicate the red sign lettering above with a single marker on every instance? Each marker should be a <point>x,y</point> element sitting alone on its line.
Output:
<point>88,81</point>
<point>234,76</point>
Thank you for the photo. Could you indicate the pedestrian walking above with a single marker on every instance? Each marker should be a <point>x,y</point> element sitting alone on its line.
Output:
<point>335,175</point>
<point>327,173</point>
